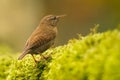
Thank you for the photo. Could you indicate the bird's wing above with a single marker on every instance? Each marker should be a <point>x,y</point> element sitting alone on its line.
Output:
<point>38,40</point>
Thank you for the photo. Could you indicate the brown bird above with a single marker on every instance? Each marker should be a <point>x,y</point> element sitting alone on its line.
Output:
<point>43,37</point>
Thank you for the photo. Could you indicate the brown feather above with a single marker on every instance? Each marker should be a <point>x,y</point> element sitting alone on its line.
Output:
<point>42,37</point>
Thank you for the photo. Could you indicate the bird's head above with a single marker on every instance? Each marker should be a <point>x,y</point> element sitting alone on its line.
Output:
<point>51,20</point>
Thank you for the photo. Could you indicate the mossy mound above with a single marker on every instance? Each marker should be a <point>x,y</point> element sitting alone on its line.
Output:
<point>94,57</point>
<point>5,61</point>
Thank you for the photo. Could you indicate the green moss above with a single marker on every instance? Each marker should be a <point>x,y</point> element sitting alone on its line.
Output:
<point>94,57</point>
<point>5,61</point>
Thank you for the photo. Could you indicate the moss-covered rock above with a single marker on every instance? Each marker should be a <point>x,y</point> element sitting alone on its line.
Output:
<point>94,57</point>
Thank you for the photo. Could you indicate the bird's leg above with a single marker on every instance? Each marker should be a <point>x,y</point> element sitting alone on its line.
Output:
<point>34,58</point>
<point>43,56</point>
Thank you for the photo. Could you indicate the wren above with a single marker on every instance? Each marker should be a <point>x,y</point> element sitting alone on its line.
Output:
<point>43,37</point>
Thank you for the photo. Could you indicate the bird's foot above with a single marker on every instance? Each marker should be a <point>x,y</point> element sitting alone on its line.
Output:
<point>45,57</point>
<point>36,61</point>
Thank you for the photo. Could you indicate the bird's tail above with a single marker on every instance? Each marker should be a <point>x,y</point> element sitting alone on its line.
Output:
<point>22,55</point>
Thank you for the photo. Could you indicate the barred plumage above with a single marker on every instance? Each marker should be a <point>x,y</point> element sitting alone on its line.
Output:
<point>43,37</point>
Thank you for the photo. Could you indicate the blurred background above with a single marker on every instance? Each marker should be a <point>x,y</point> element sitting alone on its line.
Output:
<point>18,18</point>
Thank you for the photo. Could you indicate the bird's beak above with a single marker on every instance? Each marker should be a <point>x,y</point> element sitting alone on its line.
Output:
<point>60,16</point>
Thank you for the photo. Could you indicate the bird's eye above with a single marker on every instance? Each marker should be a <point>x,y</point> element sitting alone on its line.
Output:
<point>52,18</point>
